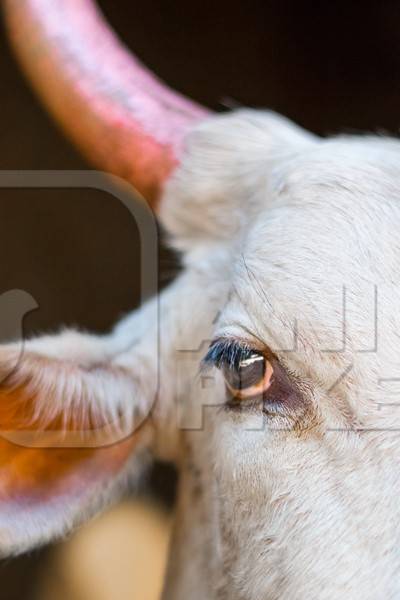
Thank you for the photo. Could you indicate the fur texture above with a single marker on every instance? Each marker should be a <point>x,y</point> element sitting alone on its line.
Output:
<point>290,243</point>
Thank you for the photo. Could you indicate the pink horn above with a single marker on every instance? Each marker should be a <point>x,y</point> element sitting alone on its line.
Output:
<point>124,119</point>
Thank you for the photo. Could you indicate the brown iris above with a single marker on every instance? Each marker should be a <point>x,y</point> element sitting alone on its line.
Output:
<point>249,377</point>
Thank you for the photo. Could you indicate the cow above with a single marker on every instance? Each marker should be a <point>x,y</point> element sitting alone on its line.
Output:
<point>266,371</point>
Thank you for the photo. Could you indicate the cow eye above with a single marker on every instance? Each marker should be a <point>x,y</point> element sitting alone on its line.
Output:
<point>247,372</point>
<point>249,377</point>
<point>255,378</point>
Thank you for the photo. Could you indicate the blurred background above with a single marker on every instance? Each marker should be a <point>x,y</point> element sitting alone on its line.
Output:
<point>329,66</point>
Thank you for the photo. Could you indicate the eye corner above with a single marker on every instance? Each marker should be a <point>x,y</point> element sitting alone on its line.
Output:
<point>214,354</point>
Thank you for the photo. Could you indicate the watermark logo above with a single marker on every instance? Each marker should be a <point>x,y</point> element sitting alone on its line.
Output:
<point>14,350</point>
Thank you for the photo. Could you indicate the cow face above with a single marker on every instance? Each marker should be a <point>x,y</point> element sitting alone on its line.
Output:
<point>269,377</point>
<point>297,452</point>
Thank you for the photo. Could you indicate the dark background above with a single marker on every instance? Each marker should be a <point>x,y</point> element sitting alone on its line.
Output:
<point>331,66</point>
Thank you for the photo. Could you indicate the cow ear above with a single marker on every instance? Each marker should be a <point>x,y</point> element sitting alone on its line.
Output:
<point>70,431</point>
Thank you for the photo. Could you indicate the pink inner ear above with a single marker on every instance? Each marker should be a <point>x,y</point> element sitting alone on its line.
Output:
<point>38,474</point>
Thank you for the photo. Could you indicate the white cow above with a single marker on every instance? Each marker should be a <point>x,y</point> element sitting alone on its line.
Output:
<point>269,377</point>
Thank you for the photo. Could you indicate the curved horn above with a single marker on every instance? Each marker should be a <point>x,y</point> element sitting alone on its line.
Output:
<point>123,118</point>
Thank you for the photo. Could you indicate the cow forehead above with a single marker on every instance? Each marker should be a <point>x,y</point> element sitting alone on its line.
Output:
<point>319,266</point>
<point>330,218</point>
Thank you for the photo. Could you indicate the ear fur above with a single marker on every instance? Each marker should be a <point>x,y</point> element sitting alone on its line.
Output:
<point>68,431</point>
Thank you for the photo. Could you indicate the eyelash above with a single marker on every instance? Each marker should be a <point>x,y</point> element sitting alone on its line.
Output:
<point>227,352</point>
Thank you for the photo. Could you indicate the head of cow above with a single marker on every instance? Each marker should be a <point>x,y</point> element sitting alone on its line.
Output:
<point>270,374</point>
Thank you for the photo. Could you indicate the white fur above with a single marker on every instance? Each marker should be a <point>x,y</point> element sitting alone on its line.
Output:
<point>279,230</point>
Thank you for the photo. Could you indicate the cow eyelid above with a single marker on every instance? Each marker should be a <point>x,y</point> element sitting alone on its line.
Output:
<point>227,352</point>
